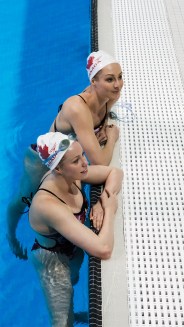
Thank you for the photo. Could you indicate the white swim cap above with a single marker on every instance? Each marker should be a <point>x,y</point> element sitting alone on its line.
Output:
<point>51,147</point>
<point>98,60</point>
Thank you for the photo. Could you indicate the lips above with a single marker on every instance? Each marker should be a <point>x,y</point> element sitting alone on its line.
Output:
<point>84,171</point>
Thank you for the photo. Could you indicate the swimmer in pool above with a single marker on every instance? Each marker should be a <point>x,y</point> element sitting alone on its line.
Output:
<point>57,215</point>
<point>84,115</point>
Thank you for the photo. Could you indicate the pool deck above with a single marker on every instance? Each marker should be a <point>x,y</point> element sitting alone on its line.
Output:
<point>175,15</point>
<point>114,283</point>
<point>115,306</point>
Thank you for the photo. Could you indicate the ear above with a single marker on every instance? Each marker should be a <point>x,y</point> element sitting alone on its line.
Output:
<point>59,170</point>
<point>93,81</point>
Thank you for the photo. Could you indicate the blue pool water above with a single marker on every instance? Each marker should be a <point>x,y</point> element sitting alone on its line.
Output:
<point>44,46</point>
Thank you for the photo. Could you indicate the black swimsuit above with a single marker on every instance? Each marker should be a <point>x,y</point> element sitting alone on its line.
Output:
<point>62,245</point>
<point>96,128</point>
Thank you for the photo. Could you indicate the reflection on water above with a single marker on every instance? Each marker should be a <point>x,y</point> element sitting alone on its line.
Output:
<point>57,275</point>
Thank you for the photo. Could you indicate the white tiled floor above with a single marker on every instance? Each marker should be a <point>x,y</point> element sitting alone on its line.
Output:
<point>114,283</point>
<point>174,10</point>
<point>175,14</point>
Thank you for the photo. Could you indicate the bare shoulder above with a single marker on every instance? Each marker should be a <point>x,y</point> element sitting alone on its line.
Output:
<point>44,205</point>
<point>75,105</point>
<point>46,211</point>
<point>77,112</point>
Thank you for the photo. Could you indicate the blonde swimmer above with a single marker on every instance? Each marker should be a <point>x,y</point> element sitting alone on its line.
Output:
<point>86,116</point>
<point>57,215</point>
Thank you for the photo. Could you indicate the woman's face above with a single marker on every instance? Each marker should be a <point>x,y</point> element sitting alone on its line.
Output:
<point>109,82</point>
<point>74,164</point>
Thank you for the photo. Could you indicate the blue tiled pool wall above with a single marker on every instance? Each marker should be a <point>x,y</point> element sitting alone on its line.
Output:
<point>44,45</point>
<point>95,287</point>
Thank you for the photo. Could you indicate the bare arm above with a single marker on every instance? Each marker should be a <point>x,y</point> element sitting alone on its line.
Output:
<point>59,217</point>
<point>111,176</point>
<point>113,181</point>
<point>81,120</point>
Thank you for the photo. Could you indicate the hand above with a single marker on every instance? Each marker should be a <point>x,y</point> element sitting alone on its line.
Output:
<point>96,215</point>
<point>112,132</point>
<point>109,200</point>
<point>101,136</point>
<point>17,248</point>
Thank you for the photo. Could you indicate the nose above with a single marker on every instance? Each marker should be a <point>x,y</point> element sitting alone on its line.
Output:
<point>84,161</point>
<point>118,83</point>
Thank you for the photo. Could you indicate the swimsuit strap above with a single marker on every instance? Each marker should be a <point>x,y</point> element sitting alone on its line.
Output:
<point>78,187</point>
<point>96,127</point>
<point>81,98</point>
<point>55,128</point>
<point>42,181</point>
<point>28,199</point>
<point>44,189</point>
<point>103,120</point>
<point>84,205</point>
<point>59,109</point>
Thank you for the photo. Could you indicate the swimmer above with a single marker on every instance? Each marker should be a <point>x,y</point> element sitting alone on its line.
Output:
<point>85,115</point>
<point>57,215</point>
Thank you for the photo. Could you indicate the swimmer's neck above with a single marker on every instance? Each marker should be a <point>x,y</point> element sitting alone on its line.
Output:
<point>63,184</point>
<point>95,101</point>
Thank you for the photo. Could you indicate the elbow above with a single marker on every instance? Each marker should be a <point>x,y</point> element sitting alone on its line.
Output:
<point>120,174</point>
<point>99,157</point>
<point>105,253</point>
<point>106,256</point>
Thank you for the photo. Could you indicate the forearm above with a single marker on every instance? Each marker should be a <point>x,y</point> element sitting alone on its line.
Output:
<point>114,181</point>
<point>106,234</point>
<point>107,152</point>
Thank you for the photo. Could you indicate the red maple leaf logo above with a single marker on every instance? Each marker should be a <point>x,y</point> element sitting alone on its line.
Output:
<point>90,62</point>
<point>44,151</point>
